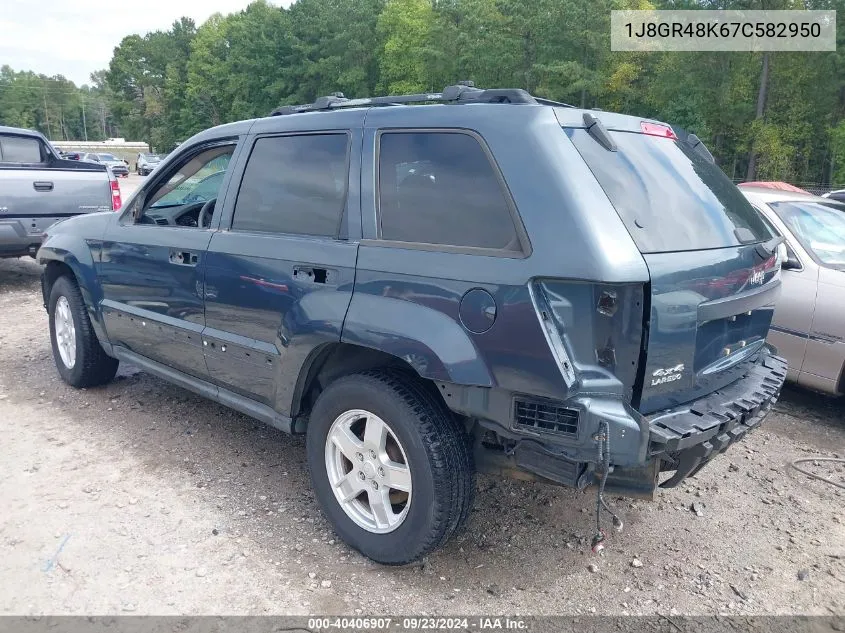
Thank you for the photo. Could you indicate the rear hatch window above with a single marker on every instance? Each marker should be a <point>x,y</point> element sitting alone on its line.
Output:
<point>669,196</point>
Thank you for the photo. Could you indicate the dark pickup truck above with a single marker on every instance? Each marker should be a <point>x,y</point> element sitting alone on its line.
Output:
<point>497,282</point>
<point>38,188</point>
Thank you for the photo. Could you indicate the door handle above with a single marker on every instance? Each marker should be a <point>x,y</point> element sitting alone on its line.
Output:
<point>42,185</point>
<point>313,275</point>
<point>183,258</point>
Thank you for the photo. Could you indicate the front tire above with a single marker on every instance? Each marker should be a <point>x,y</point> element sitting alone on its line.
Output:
<point>79,357</point>
<point>390,466</point>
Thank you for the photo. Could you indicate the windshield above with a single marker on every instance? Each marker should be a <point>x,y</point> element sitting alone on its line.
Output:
<point>818,226</point>
<point>669,197</point>
<point>108,157</point>
<point>153,158</point>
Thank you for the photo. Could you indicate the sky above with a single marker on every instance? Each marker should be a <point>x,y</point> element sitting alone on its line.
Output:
<point>76,37</point>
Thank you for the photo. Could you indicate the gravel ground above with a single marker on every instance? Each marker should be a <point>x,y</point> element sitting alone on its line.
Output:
<point>142,498</point>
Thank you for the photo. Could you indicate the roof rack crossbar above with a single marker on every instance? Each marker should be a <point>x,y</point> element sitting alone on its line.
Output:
<point>460,93</point>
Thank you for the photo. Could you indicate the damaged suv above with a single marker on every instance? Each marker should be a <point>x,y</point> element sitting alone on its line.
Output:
<point>494,283</point>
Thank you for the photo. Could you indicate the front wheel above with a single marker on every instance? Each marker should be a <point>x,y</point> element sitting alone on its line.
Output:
<point>79,356</point>
<point>390,465</point>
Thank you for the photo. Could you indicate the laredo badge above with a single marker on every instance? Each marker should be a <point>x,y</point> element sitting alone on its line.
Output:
<point>668,374</point>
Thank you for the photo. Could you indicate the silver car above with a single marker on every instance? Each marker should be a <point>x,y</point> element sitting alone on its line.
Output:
<point>117,165</point>
<point>809,322</point>
<point>145,164</point>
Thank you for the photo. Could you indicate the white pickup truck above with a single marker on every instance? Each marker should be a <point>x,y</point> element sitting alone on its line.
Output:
<point>38,188</point>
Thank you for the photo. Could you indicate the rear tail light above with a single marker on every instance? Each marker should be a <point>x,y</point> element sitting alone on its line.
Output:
<point>594,332</point>
<point>116,201</point>
<point>657,129</point>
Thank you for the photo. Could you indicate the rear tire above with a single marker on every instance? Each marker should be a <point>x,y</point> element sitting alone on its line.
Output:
<point>79,357</point>
<point>426,446</point>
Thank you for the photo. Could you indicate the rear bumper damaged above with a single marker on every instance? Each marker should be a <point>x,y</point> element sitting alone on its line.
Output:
<point>679,441</point>
<point>685,440</point>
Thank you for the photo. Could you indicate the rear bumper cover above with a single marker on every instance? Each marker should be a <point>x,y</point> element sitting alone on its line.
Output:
<point>687,438</point>
<point>680,440</point>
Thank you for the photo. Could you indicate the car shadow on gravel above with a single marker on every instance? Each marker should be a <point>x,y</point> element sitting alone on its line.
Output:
<point>17,274</point>
<point>812,406</point>
<point>812,417</point>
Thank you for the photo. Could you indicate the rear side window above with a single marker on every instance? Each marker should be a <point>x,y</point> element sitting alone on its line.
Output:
<point>441,188</point>
<point>294,184</point>
<point>669,197</point>
<point>20,149</point>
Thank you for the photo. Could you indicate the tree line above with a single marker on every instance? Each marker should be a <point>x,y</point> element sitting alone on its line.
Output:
<point>56,106</point>
<point>778,116</point>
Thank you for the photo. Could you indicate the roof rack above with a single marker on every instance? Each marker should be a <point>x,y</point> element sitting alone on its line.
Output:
<point>463,92</point>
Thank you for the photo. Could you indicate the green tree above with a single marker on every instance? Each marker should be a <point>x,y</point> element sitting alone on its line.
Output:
<point>405,28</point>
<point>334,49</point>
<point>780,115</point>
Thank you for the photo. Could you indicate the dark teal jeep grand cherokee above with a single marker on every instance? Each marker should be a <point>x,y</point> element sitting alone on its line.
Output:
<point>495,282</point>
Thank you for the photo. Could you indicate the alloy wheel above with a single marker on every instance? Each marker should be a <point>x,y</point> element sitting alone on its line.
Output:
<point>368,471</point>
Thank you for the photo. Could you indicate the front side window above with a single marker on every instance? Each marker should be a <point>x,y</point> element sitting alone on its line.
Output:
<point>294,184</point>
<point>188,197</point>
<point>197,180</point>
<point>441,188</point>
<point>818,226</point>
<point>20,149</point>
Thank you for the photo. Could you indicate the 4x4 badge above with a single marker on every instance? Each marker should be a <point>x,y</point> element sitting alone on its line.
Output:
<point>667,374</point>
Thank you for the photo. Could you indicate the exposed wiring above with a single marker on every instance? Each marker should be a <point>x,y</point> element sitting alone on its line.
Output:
<point>814,475</point>
<point>603,444</point>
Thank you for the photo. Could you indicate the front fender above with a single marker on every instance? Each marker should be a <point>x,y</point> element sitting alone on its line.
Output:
<point>78,255</point>
<point>435,345</point>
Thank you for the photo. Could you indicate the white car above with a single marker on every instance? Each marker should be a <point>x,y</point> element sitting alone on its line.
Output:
<point>807,327</point>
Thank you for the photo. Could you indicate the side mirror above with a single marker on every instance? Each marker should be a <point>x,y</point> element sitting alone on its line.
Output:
<point>789,261</point>
<point>137,208</point>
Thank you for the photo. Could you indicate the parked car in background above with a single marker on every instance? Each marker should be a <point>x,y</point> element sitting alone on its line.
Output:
<point>72,155</point>
<point>838,195</point>
<point>809,322</point>
<point>146,163</point>
<point>117,165</point>
<point>576,296</point>
<point>38,188</point>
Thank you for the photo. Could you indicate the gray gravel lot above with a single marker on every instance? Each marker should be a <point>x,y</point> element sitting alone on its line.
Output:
<point>142,498</point>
